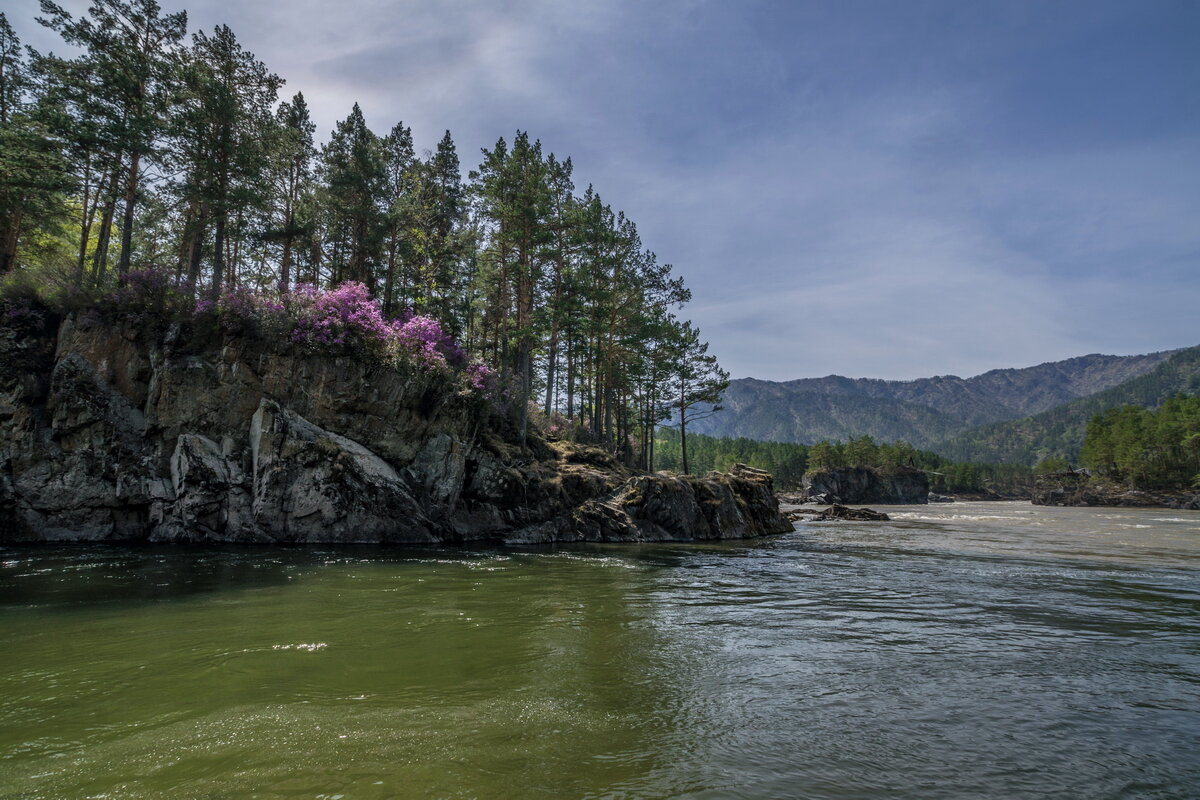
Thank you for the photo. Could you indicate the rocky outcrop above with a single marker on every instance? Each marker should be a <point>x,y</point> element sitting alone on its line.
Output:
<point>861,485</point>
<point>1081,489</point>
<point>110,434</point>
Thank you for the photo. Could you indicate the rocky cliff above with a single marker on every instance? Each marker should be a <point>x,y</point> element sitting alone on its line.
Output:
<point>859,485</point>
<point>111,433</point>
<point>1080,489</point>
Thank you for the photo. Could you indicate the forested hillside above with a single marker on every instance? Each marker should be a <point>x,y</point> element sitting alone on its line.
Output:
<point>789,462</point>
<point>1060,431</point>
<point>924,411</point>
<point>1145,448</point>
<point>155,165</point>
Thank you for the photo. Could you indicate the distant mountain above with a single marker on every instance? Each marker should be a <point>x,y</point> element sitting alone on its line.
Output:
<point>923,412</point>
<point>1060,431</point>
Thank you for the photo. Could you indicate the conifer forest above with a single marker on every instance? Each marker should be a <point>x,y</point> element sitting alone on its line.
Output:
<point>154,158</point>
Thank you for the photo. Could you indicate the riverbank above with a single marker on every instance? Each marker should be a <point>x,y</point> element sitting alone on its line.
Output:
<point>1081,489</point>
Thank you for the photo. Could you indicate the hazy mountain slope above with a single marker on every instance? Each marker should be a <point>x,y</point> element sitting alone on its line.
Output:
<point>771,412</point>
<point>1060,430</point>
<point>923,411</point>
<point>1036,389</point>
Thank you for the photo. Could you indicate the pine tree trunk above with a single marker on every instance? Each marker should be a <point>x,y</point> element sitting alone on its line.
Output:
<point>651,438</point>
<point>683,433</point>
<point>218,257</point>
<point>570,379</point>
<point>389,280</point>
<point>197,250</point>
<point>85,219</point>
<point>100,257</point>
<point>235,254</point>
<point>131,188</point>
<point>285,263</point>
<point>551,359</point>
<point>10,235</point>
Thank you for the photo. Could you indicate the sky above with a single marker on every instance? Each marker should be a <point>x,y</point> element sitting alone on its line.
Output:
<point>872,189</point>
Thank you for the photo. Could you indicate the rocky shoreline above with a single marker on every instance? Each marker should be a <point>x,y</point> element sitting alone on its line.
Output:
<point>109,433</point>
<point>1080,489</point>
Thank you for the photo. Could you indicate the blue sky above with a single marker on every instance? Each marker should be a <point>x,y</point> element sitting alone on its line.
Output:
<point>883,189</point>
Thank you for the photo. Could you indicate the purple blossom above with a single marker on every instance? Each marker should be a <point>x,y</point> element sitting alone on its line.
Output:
<point>346,319</point>
<point>424,338</point>
<point>480,376</point>
<point>349,316</point>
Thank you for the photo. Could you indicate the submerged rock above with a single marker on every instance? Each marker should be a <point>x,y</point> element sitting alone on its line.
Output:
<point>106,434</point>
<point>836,512</point>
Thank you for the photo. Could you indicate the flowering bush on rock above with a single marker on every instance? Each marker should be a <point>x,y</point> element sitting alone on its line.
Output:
<point>341,321</point>
<point>424,339</point>
<point>347,320</point>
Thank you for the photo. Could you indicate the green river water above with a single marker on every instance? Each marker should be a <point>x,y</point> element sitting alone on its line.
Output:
<point>990,650</point>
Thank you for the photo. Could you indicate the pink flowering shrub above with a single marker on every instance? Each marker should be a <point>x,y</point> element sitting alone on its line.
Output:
<point>480,376</point>
<point>345,321</point>
<point>424,339</point>
<point>344,318</point>
<point>349,319</point>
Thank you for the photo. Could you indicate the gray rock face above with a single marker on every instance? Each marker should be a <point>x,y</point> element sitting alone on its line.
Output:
<point>861,485</point>
<point>105,435</point>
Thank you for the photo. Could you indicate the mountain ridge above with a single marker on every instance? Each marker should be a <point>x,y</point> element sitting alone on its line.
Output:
<point>923,411</point>
<point>1059,431</point>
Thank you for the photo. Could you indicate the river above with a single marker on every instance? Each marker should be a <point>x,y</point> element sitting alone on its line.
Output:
<point>969,650</point>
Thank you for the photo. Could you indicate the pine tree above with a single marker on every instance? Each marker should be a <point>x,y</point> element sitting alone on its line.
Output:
<point>401,170</point>
<point>354,172</point>
<point>442,206</point>
<point>130,49</point>
<point>33,173</point>
<point>291,153</point>
<point>224,131</point>
<point>697,383</point>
